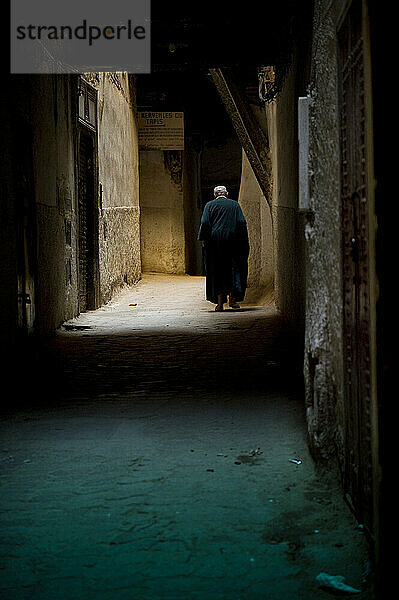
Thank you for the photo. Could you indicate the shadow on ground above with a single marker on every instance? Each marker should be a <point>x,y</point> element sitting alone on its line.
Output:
<point>162,454</point>
<point>257,356</point>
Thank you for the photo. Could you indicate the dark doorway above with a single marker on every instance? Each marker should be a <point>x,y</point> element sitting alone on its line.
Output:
<point>88,222</point>
<point>26,234</point>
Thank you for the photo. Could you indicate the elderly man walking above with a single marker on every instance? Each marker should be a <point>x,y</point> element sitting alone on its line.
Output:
<point>224,235</point>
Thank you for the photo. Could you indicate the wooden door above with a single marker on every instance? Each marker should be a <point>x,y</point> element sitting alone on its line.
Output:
<point>355,227</point>
<point>87,222</point>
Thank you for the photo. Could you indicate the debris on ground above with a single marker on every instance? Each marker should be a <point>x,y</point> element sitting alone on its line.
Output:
<point>335,583</point>
<point>255,452</point>
<point>9,458</point>
<point>133,304</point>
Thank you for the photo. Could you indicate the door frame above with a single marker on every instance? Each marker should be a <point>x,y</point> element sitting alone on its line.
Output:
<point>26,233</point>
<point>86,125</point>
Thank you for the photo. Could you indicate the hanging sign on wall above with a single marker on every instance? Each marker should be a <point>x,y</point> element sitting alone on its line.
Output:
<point>161,130</point>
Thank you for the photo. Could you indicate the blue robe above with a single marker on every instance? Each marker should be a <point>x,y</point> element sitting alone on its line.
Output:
<point>223,230</point>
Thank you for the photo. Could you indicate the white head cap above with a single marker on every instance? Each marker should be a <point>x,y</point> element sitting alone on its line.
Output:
<point>220,189</point>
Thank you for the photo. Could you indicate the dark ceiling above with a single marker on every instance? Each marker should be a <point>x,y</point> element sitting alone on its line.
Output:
<point>189,91</point>
<point>187,35</point>
<point>189,38</point>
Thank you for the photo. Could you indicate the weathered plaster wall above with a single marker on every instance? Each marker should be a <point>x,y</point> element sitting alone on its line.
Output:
<point>43,107</point>
<point>287,222</point>
<point>162,211</point>
<point>323,332</point>
<point>260,233</point>
<point>118,174</point>
<point>54,183</point>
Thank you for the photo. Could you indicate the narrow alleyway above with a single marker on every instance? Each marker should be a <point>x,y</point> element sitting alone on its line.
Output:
<point>166,458</point>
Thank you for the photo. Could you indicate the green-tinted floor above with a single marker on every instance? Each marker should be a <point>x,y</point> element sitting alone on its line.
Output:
<point>158,462</point>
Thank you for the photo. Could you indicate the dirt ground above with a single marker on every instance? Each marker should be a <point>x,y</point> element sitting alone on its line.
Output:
<point>165,457</point>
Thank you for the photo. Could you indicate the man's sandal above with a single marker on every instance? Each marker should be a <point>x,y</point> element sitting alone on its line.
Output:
<point>234,305</point>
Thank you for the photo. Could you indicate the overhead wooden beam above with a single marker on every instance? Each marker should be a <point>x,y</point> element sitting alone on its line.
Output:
<point>250,134</point>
